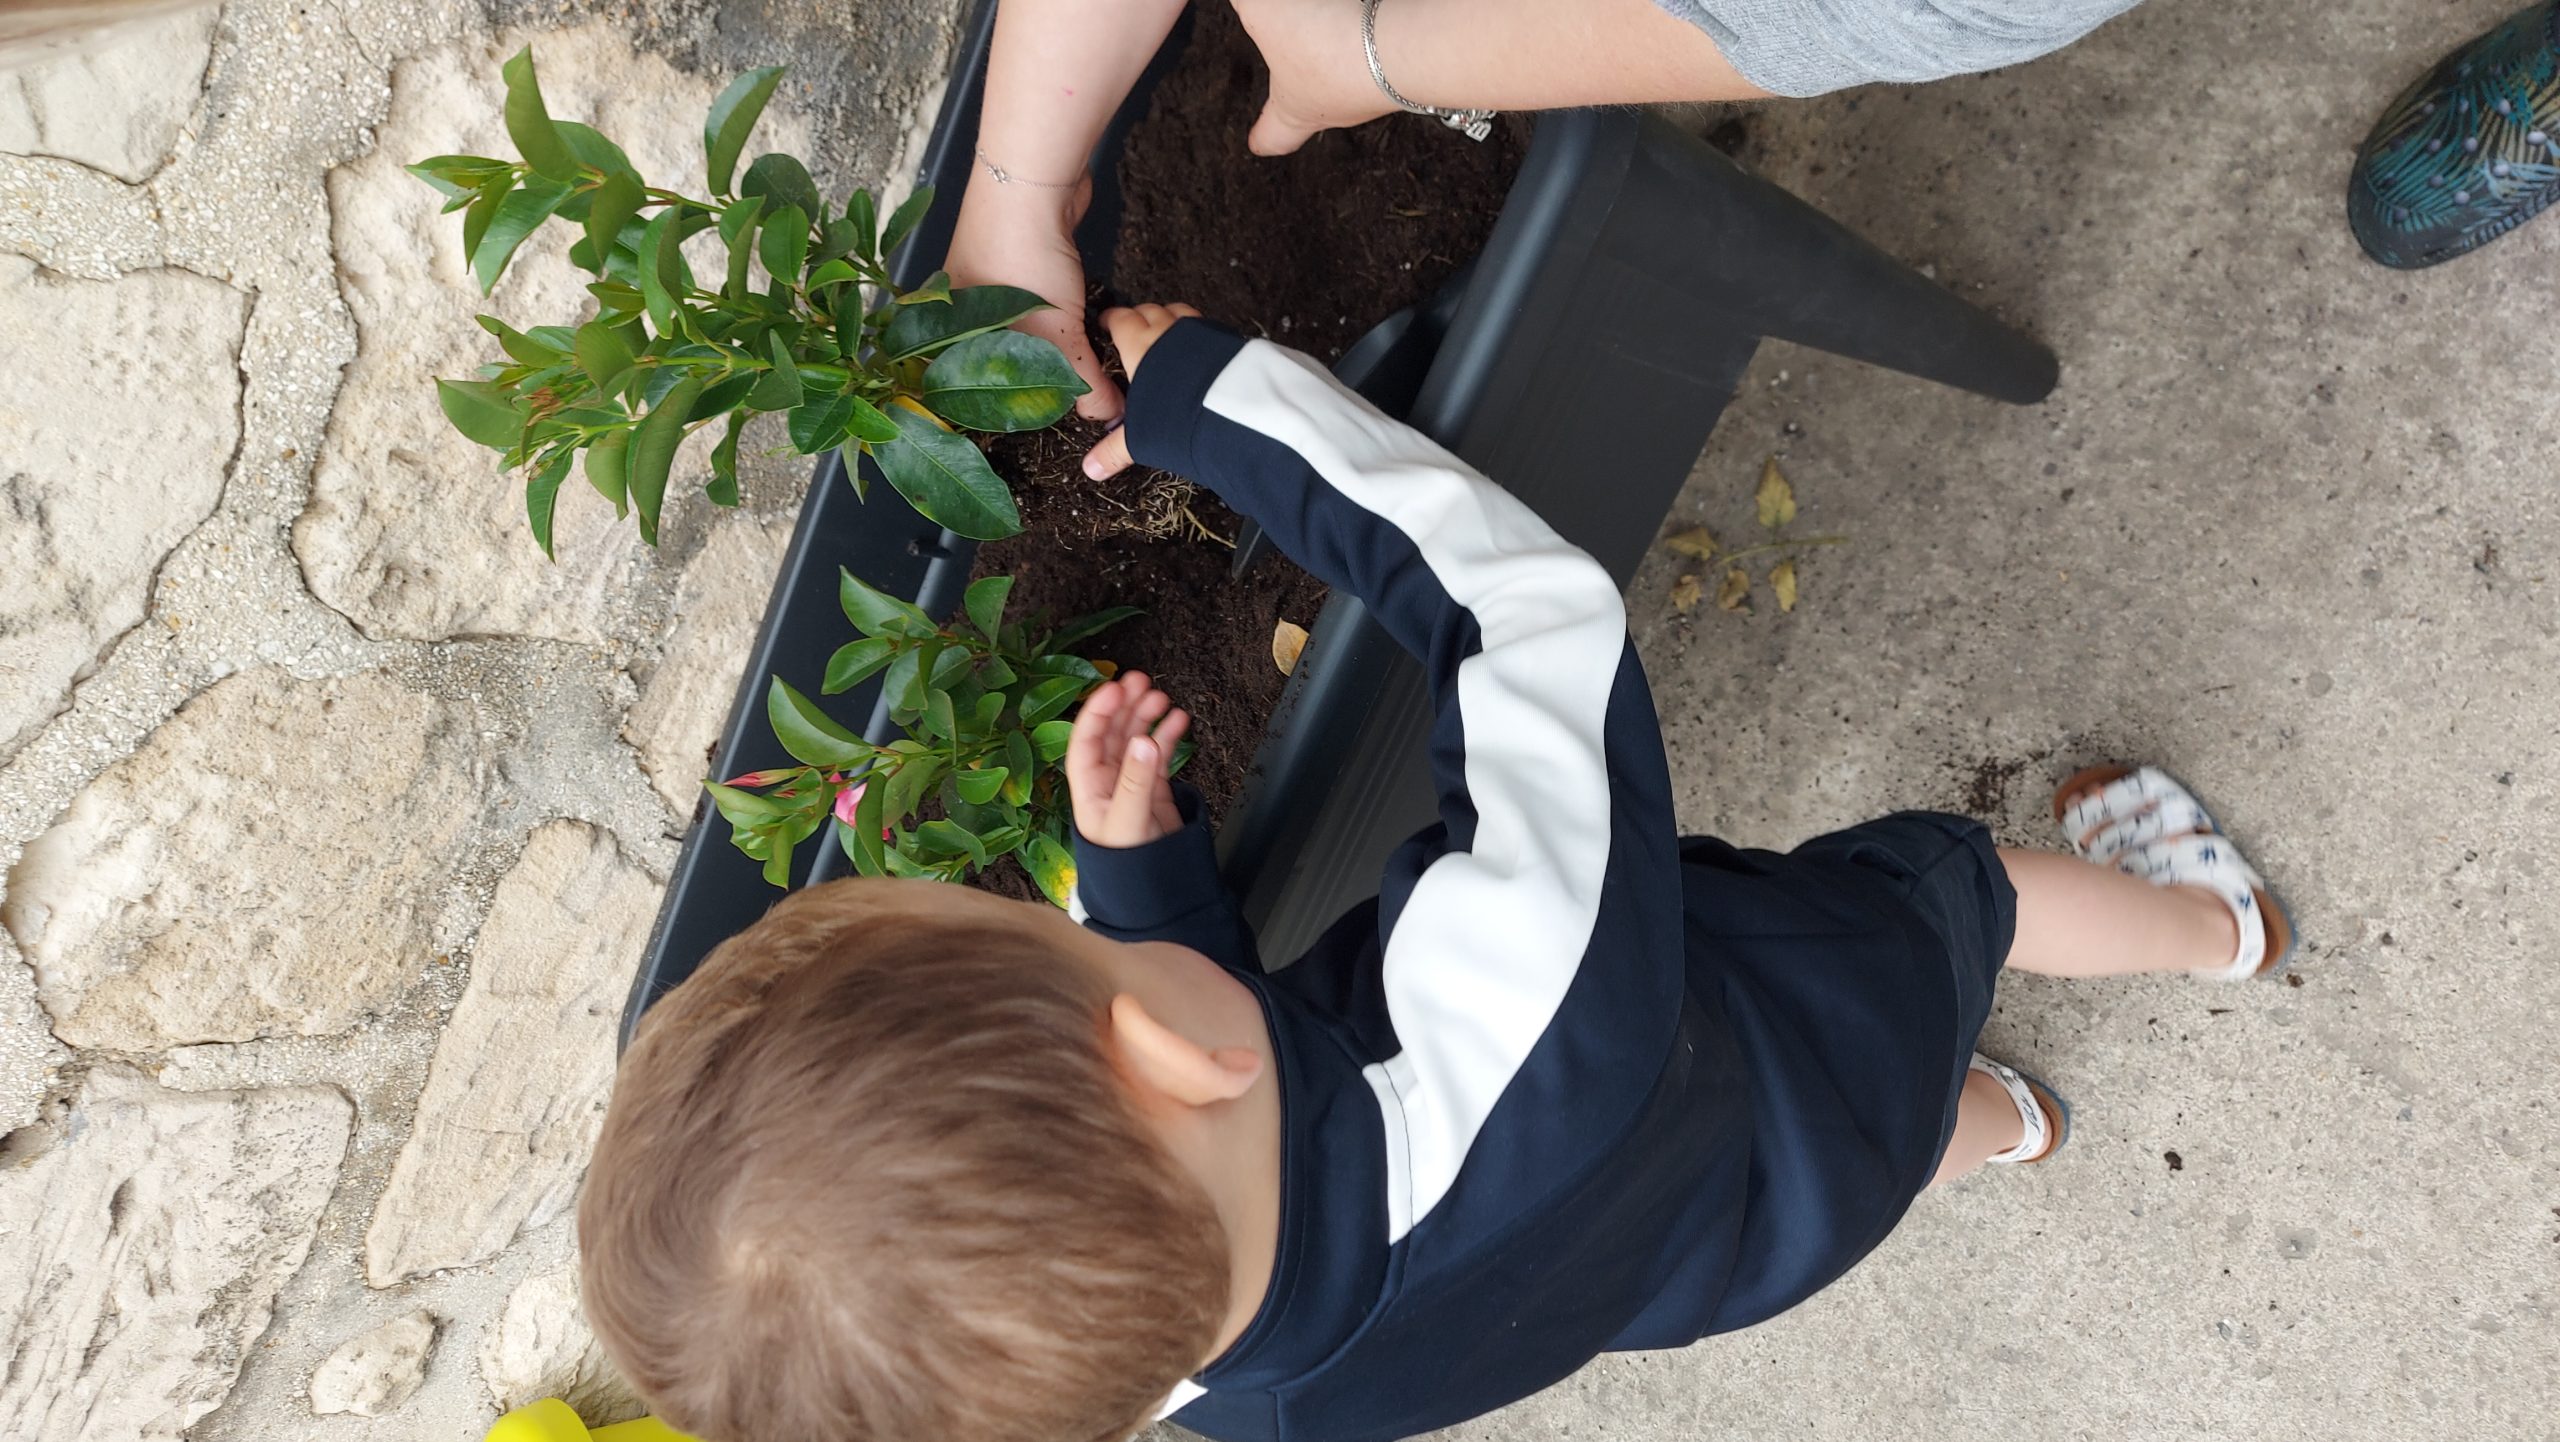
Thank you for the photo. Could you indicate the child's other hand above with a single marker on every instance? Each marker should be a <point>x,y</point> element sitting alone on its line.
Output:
<point>1118,763</point>
<point>1133,330</point>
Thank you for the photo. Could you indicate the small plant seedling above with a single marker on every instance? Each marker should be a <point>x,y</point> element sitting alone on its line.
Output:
<point>977,776</point>
<point>827,340</point>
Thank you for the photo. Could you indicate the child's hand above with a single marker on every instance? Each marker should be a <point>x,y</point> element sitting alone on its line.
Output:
<point>1133,329</point>
<point>1118,760</point>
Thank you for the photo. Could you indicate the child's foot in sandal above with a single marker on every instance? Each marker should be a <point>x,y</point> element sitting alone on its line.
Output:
<point>2043,1116</point>
<point>2142,822</point>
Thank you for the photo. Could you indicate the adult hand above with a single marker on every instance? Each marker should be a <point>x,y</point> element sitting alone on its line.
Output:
<point>1133,330</point>
<point>1319,70</point>
<point>1119,759</point>
<point>1016,233</point>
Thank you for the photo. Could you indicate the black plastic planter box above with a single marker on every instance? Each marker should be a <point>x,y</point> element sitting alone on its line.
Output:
<point>1581,360</point>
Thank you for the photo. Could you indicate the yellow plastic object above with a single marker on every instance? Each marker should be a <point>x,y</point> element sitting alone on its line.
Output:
<point>551,1420</point>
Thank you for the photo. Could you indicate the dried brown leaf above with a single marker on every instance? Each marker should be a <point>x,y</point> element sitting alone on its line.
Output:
<point>1697,542</point>
<point>1735,592</point>
<point>1777,499</point>
<point>1684,594</point>
<point>1782,579</point>
<point>1287,640</point>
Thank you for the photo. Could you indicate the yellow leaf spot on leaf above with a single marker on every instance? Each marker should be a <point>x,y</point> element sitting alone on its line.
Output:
<point>1777,499</point>
<point>1684,594</point>
<point>1108,669</point>
<point>1782,579</point>
<point>1287,640</point>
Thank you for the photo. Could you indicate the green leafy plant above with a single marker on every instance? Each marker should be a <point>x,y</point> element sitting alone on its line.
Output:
<point>977,776</point>
<point>827,341</point>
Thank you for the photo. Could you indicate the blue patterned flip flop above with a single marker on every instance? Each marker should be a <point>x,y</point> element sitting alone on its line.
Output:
<point>2468,153</point>
<point>2042,1113</point>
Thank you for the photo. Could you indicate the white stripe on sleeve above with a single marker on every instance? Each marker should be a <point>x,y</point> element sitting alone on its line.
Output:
<point>1491,938</point>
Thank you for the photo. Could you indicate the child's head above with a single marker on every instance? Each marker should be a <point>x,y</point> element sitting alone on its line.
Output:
<point>874,1173</point>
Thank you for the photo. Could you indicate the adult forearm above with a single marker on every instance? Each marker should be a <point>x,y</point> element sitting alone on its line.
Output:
<point>1058,71</point>
<point>1543,54</point>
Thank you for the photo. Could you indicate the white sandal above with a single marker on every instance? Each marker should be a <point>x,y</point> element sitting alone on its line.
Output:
<point>2142,822</point>
<point>2043,1113</point>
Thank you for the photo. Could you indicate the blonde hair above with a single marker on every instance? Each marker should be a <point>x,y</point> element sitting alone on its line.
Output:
<point>37,30</point>
<point>871,1176</point>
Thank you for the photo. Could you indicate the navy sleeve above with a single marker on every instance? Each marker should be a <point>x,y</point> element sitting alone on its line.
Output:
<point>1165,890</point>
<point>1531,942</point>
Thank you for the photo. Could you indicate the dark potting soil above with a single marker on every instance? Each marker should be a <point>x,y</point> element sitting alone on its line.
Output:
<point>1311,250</point>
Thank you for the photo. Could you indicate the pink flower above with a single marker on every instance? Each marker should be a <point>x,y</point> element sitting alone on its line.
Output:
<point>758,778</point>
<point>848,799</point>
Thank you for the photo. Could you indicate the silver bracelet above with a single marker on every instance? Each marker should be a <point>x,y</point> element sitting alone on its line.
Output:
<point>1007,177</point>
<point>1474,124</point>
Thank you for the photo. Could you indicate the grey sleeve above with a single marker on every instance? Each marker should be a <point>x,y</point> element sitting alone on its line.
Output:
<point>1808,47</point>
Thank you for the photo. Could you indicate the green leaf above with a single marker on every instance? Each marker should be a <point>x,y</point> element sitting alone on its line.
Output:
<point>483,411</point>
<point>1094,625</point>
<point>530,126</point>
<point>874,612</point>
<point>745,809</point>
<point>939,721</point>
<point>458,177</point>
<point>908,784</point>
<point>785,245</point>
<point>869,424</point>
<point>1052,868</point>
<point>780,388</point>
<point>1002,381</point>
<point>946,478</point>
<point>605,356</point>
<point>982,721</point>
<point>1017,760</point>
<point>817,425</point>
<point>738,232</point>
<point>777,867</point>
<point>860,210</point>
<point>543,490</point>
<point>904,218</point>
<point>483,210</point>
<point>612,207</point>
<point>782,180</point>
<point>607,462</point>
<point>936,287</point>
<point>723,489</point>
<point>950,838</point>
<point>900,682</point>
<point>857,661</point>
<point>870,819</point>
<point>984,602</point>
<point>811,736</point>
<point>653,450</point>
<point>657,245</point>
<point>1050,738</point>
<point>1052,696</point>
<point>861,846</point>
<point>909,701</point>
<point>834,272</point>
<point>517,217</point>
<point>929,326</point>
<point>978,787</point>
<point>733,117</point>
<point>524,349</point>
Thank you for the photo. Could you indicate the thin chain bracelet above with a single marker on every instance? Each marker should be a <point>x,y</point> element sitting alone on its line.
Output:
<point>1007,177</point>
<point>1474,124</point>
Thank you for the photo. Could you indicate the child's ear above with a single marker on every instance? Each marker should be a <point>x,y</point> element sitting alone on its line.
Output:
<point>1174,1066</point>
